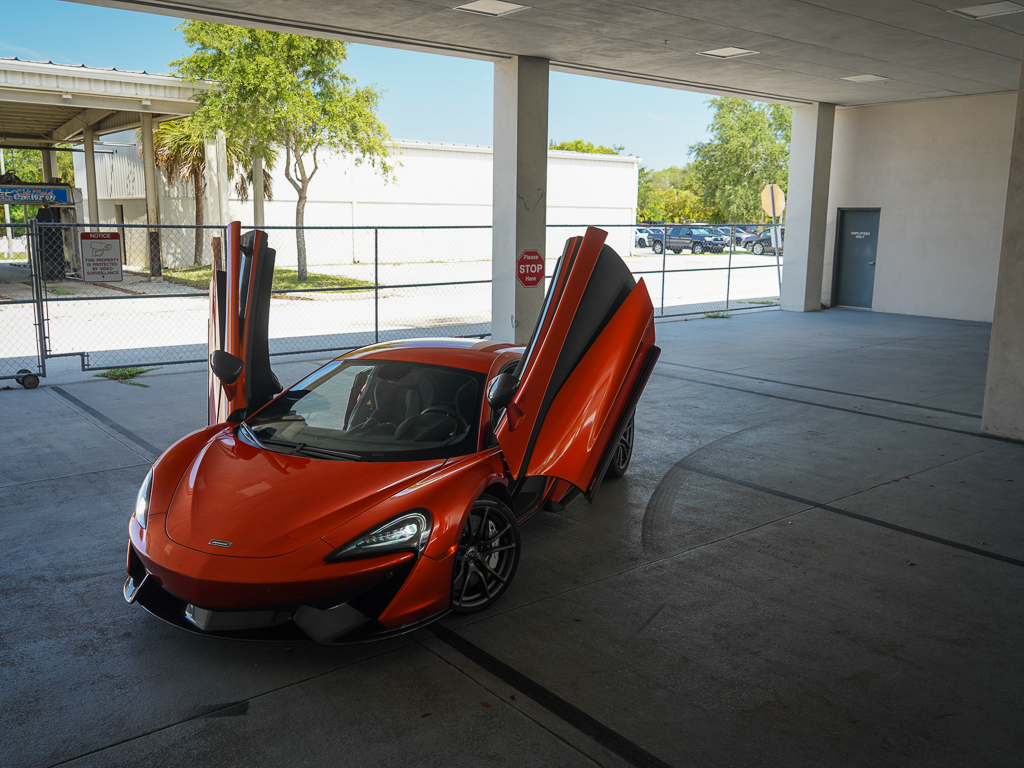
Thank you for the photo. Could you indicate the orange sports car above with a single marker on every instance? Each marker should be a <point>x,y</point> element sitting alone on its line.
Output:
<point>386,488</point>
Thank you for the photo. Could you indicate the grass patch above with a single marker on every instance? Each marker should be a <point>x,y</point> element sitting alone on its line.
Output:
<point>15,256</point>
<point>716,315</point>
<point>766,301</point>
<point>125,375</point>
<point>284,279</point>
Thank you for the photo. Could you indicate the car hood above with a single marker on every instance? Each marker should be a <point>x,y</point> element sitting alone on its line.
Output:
<point>266,504</point>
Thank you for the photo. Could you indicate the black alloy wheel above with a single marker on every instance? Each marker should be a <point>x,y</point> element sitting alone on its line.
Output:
<point>623,451</point>
<point>697,248</point>
<point>658,246</point>
<point>487,556</point>
<point>758,249</point>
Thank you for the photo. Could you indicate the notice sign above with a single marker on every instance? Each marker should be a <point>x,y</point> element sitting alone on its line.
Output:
<point>101,257</point>
<point>530,268</point>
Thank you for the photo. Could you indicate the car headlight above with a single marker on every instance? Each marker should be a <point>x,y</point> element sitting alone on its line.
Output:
<point>142,500</point>
<point>409,532</point>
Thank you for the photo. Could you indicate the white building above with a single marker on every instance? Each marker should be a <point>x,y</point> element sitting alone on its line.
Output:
<point>436,185</point>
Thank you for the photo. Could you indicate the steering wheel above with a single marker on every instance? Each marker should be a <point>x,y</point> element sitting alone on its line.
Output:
<point>460,422</point>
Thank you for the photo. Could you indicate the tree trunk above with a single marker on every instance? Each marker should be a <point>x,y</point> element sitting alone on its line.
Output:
<point>300,233</point>
<point>197,185</point>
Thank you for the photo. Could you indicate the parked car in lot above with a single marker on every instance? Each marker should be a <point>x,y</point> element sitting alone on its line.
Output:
<point>697,239</point>
<point>656,238</point>
<point>763,242</point>
<point>747,241</point>
<point>742,233</point>
<point>641,237</point>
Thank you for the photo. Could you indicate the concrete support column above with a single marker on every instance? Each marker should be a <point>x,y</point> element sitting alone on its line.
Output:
<point>810,168</point>
<point>89,138</point>
<point>48,165</point>
<point>1003,412</point>
<point>152,203</point>
<point>258,191</point>
<point>520,192</point>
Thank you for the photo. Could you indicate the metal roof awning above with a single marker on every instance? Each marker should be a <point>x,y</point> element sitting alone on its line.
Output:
<point>43,104</point>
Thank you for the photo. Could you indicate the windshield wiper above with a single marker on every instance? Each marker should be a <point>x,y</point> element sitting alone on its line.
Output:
<point>302,449</point>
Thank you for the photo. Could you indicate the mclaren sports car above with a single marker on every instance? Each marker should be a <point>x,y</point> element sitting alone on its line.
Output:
<point>386,488</point>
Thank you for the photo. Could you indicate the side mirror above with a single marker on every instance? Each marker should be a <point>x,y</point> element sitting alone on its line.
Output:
<point>500,390</point>
<point>226,366</point>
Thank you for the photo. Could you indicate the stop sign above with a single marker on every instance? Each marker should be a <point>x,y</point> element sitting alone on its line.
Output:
<point>530,268</point>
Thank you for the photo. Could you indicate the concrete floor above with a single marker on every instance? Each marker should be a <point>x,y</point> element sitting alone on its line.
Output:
<point>814,560</point>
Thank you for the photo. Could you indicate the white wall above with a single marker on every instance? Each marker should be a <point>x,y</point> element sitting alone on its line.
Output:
<point>937,169</point>
<point>446,185</point>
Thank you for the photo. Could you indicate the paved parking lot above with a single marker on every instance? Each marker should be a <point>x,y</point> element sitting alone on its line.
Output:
<point>815,559</point>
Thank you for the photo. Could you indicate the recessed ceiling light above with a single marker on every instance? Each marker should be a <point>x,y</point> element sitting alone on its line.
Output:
<point>726,53</point>
<point>863,78</point>
<point>491,7</point>
<point>988,10</point>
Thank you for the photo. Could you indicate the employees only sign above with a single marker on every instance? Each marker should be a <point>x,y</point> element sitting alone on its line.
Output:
<point>101,257</point>
<point>530,268</point>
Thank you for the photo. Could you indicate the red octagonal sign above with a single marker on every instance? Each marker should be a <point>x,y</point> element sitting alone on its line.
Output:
<point>530,268</point>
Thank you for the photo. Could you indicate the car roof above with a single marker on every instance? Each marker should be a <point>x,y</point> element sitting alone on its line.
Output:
<point>469,354</point>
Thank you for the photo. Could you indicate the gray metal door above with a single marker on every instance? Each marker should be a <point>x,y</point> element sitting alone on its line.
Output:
<point>856,251</point>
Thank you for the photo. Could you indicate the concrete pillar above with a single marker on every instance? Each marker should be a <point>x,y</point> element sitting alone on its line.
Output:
<point>258,191</point>
<point>48,165</point>
<point>54,166</point>
<point>1003,412</point>
<point>152,203</point>
<point>89,138</point>
<point>810,168</point>
<point>520,192</point>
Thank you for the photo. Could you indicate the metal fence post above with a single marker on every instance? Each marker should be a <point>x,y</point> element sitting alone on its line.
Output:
<point>728,271</point>
<point>376,292</point>
<point>664,257</point>
<point>35,260</point>
<point>778,266</point>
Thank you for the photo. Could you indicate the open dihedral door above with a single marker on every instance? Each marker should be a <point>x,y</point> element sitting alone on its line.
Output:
<point>583,371</point>
<point>240,378</point>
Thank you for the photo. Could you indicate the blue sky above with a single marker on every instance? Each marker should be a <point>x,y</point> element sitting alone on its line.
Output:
<point>428,97</point>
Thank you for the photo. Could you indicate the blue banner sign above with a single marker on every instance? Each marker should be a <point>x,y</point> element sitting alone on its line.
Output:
<point>31,194</point>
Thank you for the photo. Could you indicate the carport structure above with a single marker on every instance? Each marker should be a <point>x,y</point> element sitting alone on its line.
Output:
<point>816,557</point>
<point>43,105</point>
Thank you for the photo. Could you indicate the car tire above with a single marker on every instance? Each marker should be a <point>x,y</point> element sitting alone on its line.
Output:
<point>696,249</point>
<point>641,244</point>
<point>623,451</point>
<point>758,249</point>
<point>478,580</point>
<point>658,247</point>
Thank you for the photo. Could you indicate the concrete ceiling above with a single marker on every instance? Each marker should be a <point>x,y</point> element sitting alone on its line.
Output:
<point>804,45</point>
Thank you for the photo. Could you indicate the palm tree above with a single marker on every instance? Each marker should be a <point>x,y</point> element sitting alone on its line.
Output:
<point>181,152</point>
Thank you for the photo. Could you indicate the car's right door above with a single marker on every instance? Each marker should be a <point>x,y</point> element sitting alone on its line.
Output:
<point>583,371</point>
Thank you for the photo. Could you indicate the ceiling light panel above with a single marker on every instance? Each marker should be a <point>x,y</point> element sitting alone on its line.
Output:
<point>988,10</point>
<point>726,53</point>
<point>863,78</point>
<point>491,7</point>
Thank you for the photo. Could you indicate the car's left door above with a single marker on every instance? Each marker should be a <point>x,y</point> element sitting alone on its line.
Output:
<point>240,378</point>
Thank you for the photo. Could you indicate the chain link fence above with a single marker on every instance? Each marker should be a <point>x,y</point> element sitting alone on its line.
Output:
<point>335,288</point>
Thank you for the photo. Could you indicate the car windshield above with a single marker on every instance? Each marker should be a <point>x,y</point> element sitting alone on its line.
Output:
<point>374,410</point>
<point>699,231</point>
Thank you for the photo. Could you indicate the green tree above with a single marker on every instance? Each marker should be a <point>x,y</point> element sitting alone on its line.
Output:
<point>648,201</point>
<point>579,145</point>
<point>749,147</point>
<point>277,89</point>
<point>181,153</point>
